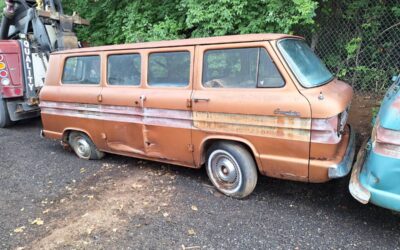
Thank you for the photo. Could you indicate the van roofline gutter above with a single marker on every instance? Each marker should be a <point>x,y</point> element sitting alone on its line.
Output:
<point>184,42</point>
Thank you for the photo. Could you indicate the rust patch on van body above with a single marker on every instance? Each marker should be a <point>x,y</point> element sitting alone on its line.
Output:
<point>265,126</point>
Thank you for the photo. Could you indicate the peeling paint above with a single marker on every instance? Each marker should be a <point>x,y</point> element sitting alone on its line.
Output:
<point>265,126</point>
<point>291,128</point>
<point>255,120</point>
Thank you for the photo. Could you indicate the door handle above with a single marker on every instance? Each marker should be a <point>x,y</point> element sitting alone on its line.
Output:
<point>142,99</point>
<point>201,99</point>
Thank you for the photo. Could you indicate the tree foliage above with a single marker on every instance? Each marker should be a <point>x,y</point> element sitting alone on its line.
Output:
<point>132,21</point>
<point>355,38</point>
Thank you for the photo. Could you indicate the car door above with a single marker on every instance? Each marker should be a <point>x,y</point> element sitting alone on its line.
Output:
<point>122,113</point>
<point>244,94</point>
<point>166,114</point>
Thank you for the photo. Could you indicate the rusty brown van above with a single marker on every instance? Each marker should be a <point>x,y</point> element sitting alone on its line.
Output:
<point>240,105</point>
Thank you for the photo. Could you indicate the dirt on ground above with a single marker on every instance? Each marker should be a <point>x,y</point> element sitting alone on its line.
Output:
<point>362,110</point>
<point>103,205</point>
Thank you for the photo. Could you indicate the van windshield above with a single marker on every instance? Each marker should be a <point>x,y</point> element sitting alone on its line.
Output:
<point>308,68</point>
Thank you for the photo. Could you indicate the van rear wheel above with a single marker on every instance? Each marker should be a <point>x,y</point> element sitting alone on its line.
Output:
<point>231,169</point>
<point>4,115</point>
<point>83,146</point>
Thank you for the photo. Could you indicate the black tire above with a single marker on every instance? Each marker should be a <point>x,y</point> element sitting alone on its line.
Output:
<point>231,169</point>
<point>83,146</point>
<point>4,115</point>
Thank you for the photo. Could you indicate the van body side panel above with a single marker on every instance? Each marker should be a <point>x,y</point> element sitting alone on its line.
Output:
<point>70,106</point>
<point>53,75</point>
<point>328,101</point>
<point>276,121</point>
<point>123,124</point>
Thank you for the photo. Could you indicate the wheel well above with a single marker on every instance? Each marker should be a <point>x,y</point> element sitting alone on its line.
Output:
<point>210,142</point>
<point>66,135</point>
<point>67,132</point>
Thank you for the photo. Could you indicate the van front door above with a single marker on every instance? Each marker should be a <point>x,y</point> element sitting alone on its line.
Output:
<point>243,95</point>
<point>166,114</point>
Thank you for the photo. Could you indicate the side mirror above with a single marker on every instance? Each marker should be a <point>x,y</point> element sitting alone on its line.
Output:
<point>395,78</point>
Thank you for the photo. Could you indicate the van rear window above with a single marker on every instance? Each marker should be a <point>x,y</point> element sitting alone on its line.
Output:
<point>82,70</point>
<point>124,70</point>
<point>169,69</point>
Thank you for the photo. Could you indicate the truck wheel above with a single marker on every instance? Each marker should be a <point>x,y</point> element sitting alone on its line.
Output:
<point>4,116</point>
<point>231,169</point>
<point>84,147</point>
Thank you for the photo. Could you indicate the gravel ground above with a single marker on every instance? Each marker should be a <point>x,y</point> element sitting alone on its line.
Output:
<point>52,200</point>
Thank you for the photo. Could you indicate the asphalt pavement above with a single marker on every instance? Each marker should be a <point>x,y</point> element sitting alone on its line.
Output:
<point>50,199</point>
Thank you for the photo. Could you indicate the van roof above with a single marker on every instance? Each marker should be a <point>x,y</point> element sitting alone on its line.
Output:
<point>184,42</point>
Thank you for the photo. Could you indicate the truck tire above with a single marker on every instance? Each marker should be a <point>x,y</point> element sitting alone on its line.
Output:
<point>4,116</point>
<point>83,146</point>
<point>231,169</point>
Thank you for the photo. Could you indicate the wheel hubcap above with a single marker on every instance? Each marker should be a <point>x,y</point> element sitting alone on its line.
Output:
<point>224,171</point>
<point>82,147</point>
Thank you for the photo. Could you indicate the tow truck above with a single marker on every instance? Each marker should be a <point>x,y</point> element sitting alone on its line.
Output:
<point>30,30</point>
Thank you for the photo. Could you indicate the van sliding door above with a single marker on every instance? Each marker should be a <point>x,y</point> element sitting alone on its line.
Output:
<point>121,102</point>
<point>167,116</point>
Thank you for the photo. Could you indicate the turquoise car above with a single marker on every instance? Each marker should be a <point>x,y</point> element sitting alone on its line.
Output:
<point>376,174</point>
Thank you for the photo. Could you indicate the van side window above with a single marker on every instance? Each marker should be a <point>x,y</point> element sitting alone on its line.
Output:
<point>169,69</point>
<point>82,70</point>
<point>240,68</point>
<point>124,70</point>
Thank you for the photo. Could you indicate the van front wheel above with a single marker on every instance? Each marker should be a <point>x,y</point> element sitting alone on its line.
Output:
<point>231,169</point>
<point>83,146</point>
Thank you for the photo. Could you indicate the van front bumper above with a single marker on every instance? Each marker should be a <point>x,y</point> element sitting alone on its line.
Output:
<point>375,179</point>
<point>343,168</point>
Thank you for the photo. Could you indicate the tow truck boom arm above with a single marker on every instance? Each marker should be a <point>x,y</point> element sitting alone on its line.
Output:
<point>43,20</point>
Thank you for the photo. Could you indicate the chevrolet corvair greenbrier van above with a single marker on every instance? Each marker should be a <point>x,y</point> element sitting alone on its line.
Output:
<point>239,105</point>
